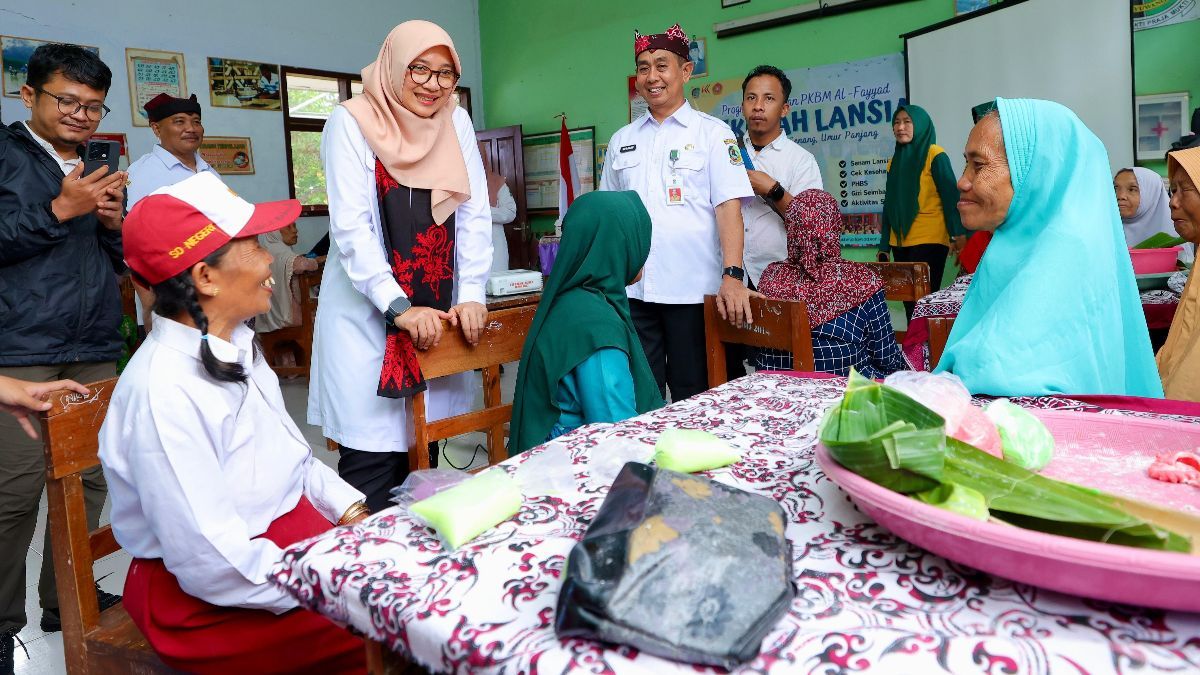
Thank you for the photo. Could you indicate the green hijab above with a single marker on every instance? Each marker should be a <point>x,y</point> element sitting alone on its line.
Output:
<point>901,201</point>
<point>584,308</point>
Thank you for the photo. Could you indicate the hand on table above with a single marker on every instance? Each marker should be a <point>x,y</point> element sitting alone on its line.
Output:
<point>472,317</point>
<point>423,324</point>
<point>733,302</point>
<point>20,398</point>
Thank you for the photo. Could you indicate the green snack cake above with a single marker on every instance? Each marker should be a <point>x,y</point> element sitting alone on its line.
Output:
<point>1026,441</point>
<point>690,450</point>
<point>470,508</point>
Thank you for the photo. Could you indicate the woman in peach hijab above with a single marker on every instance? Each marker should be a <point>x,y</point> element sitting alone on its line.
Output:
<point>410,245</point>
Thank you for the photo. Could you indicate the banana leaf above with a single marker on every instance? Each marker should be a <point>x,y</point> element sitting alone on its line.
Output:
<point>1160,240</point>
<point>887,437</point>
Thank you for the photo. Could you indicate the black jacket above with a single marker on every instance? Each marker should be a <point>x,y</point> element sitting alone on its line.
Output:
<point>59,299</point>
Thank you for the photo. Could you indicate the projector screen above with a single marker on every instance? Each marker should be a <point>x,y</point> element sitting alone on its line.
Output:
<point>1077,53</point>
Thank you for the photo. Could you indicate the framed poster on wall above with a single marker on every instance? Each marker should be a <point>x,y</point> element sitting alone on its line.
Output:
<point>464,98</point>
<point>229,155</point>
<point>152,73</point>
<point>243,84</point>
<point>541,167</point>
<point>637,104</point>
<point>15,53</point>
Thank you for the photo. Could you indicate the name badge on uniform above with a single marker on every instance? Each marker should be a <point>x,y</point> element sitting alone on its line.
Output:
<point>674,190</point>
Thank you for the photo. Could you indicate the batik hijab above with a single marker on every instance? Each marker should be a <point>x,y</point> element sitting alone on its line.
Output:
<point>901,202</point>
<point>1153,212</point>
<point>1054,307</point>
<point>605,242</point>
<point>814,270</point>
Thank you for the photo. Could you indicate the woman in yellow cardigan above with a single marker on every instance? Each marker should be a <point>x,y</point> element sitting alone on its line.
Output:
<point>920,208</point>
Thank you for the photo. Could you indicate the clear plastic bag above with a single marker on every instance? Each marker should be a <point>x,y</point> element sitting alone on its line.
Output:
<point>946,395</point>
<point>548,472</point>
<point>424,484</point>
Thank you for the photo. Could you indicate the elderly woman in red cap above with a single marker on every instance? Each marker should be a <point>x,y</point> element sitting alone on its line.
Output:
<point>208,475</point>
<point>410,246</point>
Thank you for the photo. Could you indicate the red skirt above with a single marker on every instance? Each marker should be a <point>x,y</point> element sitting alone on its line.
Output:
<point>192,635</point>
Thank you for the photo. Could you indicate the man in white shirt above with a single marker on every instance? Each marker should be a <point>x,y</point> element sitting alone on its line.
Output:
<point>782,169</point>
<point>686,168</point>
<point>176,156</point>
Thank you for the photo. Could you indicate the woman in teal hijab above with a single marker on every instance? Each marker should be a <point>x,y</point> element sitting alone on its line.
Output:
<point>1053,307</point>
<point>583,362</point>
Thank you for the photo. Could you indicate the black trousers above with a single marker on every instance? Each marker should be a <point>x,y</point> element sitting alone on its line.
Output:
<point>933,255</point>
<point>375,473</point>
<point>673,338</point>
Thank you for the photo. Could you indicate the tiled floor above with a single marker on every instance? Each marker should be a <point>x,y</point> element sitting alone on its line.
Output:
<point>45,652</point>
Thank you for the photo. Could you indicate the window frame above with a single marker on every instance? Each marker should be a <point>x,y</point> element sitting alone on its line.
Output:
<point>345,82</point>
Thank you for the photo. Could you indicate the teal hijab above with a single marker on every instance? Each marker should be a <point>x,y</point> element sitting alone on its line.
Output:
<point>584,308</point>
<point>902,199</point>
<point>1054,307</point>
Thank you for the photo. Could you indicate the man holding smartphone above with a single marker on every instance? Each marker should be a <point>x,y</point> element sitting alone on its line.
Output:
<point>60,307</point>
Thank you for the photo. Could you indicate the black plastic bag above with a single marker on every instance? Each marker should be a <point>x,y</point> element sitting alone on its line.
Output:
<point>679,566</point>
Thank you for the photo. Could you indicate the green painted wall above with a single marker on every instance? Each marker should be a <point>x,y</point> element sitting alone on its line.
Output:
<point>1164,62</point>
<point>544,57</point>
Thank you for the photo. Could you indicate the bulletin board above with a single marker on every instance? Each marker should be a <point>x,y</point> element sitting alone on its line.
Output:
<point>541,167</point>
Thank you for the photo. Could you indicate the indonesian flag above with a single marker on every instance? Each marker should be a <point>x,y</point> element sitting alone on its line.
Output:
<point>568,184</point>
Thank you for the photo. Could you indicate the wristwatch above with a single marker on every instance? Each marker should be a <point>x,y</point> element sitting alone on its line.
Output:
<point>735,272</point>
<point>398,307</point>
<point>776,193</point>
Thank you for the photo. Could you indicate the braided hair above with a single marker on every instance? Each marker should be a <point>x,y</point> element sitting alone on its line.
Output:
<point>176,295</point>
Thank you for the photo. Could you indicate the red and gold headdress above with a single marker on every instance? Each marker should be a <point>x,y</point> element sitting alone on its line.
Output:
<point>674,41</point>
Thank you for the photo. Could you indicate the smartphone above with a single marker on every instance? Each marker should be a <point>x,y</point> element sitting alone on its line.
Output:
<point>101,153</point>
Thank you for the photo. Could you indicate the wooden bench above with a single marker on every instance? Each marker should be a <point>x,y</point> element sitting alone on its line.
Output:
<point>296,339</point>
<point>93,641</point>
<point>778,324</point>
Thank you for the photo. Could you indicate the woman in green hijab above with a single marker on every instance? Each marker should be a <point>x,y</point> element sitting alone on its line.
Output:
<point>920,215</point>
<point>583,362</point>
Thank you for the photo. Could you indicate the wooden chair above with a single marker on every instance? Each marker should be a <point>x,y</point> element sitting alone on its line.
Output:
<point>93,641</point>
<point>297,339</point>
<point>939,333</point>
<point>903,282</point>
<point>129,304</point>
<point>778,324</point>
<point>501,342</point>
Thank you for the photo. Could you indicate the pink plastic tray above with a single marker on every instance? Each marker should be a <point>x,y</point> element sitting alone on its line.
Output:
<point>1105,452</point>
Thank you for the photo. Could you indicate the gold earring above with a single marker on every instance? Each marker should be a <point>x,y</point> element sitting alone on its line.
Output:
<point>216,292</point>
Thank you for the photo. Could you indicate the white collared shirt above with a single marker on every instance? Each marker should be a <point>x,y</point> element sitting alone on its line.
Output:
<point>196,468</point>
<point>67,165</point>
<point>157,169</point>
<point>685,260</point>
<point>358,286</point>
<point>766,235</point>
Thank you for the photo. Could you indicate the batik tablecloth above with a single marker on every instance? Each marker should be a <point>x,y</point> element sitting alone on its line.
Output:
<point>866,601</point>
<point>1158,305</point>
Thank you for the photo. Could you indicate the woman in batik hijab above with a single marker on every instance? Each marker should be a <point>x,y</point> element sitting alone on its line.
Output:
<point>410,246</point>
<point>1053,307</point>
<point>583,362</point>
<point>851,327</point>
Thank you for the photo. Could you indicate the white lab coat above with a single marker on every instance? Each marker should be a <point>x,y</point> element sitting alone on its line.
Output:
<point>358,286</point>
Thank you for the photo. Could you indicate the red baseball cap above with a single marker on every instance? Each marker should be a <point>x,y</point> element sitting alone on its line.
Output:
<point>177,226</point>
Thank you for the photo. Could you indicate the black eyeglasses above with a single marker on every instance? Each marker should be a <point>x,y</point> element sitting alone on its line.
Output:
<point>69,106</point>
<point>420,75</point>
